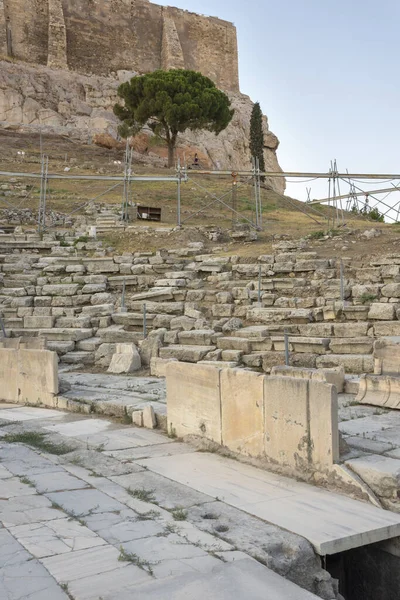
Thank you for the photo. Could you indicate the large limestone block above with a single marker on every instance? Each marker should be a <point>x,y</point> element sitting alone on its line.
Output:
<point>323,425</point>
<point>242,411</point>
<point>386,328</point>
<point>234,343</point>
<point>381,473</point>
<point>190,354</point>
<point>380,311</point>
<point>9,374</point>
<point>287,440</point>
<point>387,357</point>
<point>125,360</point>
<point>196,338</point>
<point>351,330</point>
<point>99,310</point>
<point>37,375</point>
<point>352,363</point>
<point>334,376</point>
<point>158,366</point>
<point>38,322</point>
<point>67,289</point>
<point>101,265</point>
<point>373,389</point>
<point>351,345</point>
<point>194,401</point>
<point>391,290</point>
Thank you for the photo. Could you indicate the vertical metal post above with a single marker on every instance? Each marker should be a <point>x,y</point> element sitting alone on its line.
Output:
<point>286,335</point>
<point>259,285</point>
<point>123,306</point>
<point>234,200</point>
<point>144,322</point>
<point>43,192</point>
<point>2,326</point>
<point>178,216</point>
<point>341,281</point>
<point>127,181</point>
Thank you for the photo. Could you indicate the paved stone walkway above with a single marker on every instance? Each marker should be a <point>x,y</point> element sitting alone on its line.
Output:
<point>82,519</point>
<point>92,509</point>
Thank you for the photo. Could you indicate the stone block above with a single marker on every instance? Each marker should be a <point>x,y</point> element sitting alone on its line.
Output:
<point>158,366</point>
<point>38,322</point>
<point>351,330</point>
<point>99,310</point>
<point>37,375</point>
<point>196,338</point>
<point>300,423</point>
<point>242,411</point>
<point>380,473</point>
<point>190,354</point>
<point>333,376</point>
<point>379,311</point>
<point>9,374</point>
<point>391,290</point>
<point>234,343</point>
<point>149,418</point>
<point>387,357</point>
<point>352,363</point>
<point>351,345</point>
<point>60,289</point>
<point>323,424</point>
<point>386,328</point>
<point>222,310</point>
<point>126,359</point>
<point>287,442</point>
<point>195,406</point>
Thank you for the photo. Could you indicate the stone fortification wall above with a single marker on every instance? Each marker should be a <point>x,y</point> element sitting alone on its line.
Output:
<point>99,37</point>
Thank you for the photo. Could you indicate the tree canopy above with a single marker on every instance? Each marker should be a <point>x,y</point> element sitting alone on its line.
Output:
<point>170,102</point>
<point>257,135</point>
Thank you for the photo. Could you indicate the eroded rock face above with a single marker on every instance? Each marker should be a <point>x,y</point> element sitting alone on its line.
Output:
<point>80,106</point>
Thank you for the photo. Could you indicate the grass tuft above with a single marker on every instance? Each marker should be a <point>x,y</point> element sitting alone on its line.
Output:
<point>37,440</point>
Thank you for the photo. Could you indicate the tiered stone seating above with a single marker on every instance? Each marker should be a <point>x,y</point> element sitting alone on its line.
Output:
<point>198,307</point>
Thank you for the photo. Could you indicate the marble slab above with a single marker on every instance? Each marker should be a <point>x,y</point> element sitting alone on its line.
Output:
<point>331,522</point>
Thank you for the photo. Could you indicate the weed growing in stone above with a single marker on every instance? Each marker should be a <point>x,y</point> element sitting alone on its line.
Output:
<point>37,440</point>
<point>221,528</point>
<point>135,559</point>
<point>143,495</point>
<point>151,515</point>
<point>210,516</point>
<point>179,514</point>
<point>64,587</point>
<point>26,481</point>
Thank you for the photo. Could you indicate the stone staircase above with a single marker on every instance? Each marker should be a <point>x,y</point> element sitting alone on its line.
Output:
<point>199,308</point>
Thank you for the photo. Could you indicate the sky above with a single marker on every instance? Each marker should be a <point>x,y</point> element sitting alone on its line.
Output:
<point>327,76</point>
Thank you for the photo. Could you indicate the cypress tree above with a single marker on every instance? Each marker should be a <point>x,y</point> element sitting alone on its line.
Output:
<point>257,135</point>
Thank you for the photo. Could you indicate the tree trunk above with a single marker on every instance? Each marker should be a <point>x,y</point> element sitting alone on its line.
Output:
<point>171,153</point>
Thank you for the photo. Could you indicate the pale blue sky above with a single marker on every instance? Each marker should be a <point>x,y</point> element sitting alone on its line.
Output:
<point>326,74</point>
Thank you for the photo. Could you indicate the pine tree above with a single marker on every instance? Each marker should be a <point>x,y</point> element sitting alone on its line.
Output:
<point>257,135</point>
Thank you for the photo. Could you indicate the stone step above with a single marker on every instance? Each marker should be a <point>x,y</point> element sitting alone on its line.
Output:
<point>89,345</point>
<point>352,363</point>
<point>60,347</point>
<point>73,358</point>
<point>183,353</point>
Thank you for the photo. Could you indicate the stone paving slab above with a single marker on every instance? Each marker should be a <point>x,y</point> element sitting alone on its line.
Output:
<point>59,536</point>
<point>241,580</point>
<point>331,522</point>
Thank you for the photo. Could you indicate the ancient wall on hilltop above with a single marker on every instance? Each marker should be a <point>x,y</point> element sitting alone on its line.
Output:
<point>102,36</point>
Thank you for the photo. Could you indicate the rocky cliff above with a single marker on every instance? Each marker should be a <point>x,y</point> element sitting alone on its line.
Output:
<point>80,106</point>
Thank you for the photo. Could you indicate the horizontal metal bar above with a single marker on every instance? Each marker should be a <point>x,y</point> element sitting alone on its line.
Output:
<point>357,194</point>
<point>91,177</point>
<point>297,174</point>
